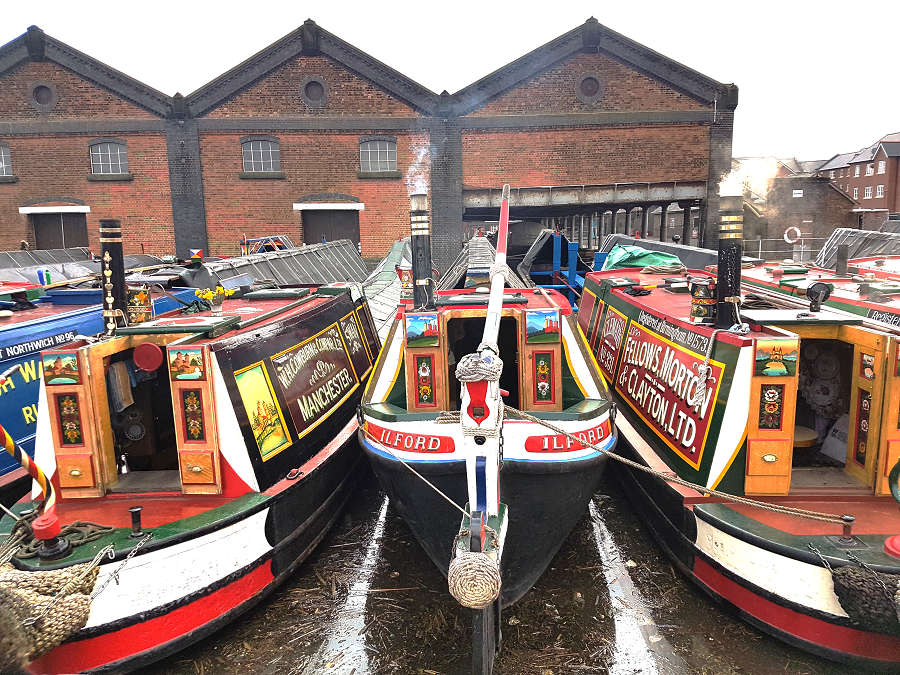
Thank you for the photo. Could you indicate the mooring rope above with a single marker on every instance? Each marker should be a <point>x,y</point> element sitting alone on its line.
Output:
<point>705,491</point>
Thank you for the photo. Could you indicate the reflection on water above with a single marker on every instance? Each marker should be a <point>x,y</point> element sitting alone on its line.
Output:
<point>631,652</point>
<point>345,649</point>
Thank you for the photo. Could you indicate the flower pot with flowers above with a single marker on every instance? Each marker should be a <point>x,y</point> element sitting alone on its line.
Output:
<point>214,298</point>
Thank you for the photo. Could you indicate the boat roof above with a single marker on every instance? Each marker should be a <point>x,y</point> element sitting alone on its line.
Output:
<point>520,298</point>
<point>795,279</point>
<point>674,306</point>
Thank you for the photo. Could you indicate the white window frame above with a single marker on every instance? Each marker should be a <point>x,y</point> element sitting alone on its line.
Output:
<point>377,155</point>
<point>856,193</point>
<point>260,156</point>
<point>5,160</point>
<point>870,169</point>
<point>867,194</point>
<point>797,193</point>
<point>831,174</point>
<point>879,191</point>
<point>882,164</point>
<point>109,158</point>
<point>856,171</point>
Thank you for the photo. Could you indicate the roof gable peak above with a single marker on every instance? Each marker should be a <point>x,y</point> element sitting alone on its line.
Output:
<point>310,39</point>
<point>36,45</point>
<point>592,36</point>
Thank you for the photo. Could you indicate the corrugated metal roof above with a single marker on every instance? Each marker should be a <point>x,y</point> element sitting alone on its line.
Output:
<point>382,287</point>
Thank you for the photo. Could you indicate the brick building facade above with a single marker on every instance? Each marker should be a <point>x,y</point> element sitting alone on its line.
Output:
<point>312,137</point>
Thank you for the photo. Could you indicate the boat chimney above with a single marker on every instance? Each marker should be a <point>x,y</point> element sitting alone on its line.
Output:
<point>113,266</point>
<point>731,240</point>
<point>840,265</point>
<point>420,228</point>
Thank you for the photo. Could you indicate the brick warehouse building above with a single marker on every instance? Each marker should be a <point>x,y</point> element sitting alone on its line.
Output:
<point>312,137</point>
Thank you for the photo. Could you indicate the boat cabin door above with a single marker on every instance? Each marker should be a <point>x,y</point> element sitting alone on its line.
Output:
<point>889,414</point>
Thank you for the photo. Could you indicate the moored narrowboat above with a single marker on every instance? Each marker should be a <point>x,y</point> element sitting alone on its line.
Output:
<point>441,443</point>
<point>194,460</point>
<point>780,416</point>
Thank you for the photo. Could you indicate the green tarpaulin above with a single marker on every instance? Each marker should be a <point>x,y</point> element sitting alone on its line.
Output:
<point>634,256</point>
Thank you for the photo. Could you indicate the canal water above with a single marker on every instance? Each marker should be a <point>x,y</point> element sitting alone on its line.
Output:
<point>369,601</point>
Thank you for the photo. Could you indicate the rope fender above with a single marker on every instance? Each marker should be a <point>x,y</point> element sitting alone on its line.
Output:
<point>474,579</point>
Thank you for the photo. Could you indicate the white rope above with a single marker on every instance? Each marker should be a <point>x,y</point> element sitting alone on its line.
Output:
<point>428,482</point>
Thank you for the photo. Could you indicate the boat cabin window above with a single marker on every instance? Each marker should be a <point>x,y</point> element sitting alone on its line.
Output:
<point>143,426</point>
<point>464,336</point>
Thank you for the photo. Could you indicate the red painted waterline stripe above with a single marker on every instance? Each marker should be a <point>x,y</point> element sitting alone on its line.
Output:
<point>877,646</point>
<point>133,640</point>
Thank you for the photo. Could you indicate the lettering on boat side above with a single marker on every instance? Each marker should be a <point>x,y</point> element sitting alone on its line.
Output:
<point>658,379</point>
<point>315,376</point>
<point>678,334</point>
<point>31,346</point>
<point>561,443</point>
<point>885,317</point>
<point>409,442</point>
<point>610,341</point>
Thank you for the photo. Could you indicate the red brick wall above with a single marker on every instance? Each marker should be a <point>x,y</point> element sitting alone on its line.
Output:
<point>278,94</point>
<point>553,91</point>
<point>59,166</point>
<point>313,162</point>
<point>590,155</point>
<point>77,98</point>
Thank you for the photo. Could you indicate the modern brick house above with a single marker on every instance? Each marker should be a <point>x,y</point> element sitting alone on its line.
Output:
<point>871,177</point>
<point>312,137</point>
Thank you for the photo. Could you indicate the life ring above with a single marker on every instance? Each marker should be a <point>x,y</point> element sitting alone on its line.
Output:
<point>792,235</point>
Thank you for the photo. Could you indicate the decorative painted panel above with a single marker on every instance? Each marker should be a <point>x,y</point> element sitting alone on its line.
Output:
<point>771,406</point>
<point>192,405</point>
<point>867,366</point>
<point>69,409</point>
<point>61,368</point>
<point>425,394</point>
<point>263,411</point>
<point>138,306</point>
<point>355,344</point>
<point>543,378</point>
<point>422,330</point>
<point>777,357</point>
<point>610,340</point>
<point>541,326</point>
<point>186,363</point>
<point>863,412</point>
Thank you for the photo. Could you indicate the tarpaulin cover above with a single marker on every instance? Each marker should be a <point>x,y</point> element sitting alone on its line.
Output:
<point>634,256</point>
<point>861,244</point>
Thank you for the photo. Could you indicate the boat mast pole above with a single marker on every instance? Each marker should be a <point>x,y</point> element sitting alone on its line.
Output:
<point>481,404</point>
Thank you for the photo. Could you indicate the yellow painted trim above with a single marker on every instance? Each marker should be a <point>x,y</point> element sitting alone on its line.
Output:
<point>733,456</point>
<point>571,367</point>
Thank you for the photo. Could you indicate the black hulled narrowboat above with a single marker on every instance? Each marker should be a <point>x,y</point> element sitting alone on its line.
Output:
<point>197,458</point>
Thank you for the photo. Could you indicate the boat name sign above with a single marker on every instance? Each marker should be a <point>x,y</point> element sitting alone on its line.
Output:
<point>409,442</point>
<point>314,376</point>
<point>658,379</point>
<point>562,443</point>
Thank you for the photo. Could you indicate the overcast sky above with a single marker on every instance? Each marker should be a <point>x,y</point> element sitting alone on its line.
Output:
<point>815,77</point>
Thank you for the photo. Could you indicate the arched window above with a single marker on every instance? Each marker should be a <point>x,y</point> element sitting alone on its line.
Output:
<point>5,160</point>
<point>377,154</point>
<point>261,154</point>
<point>108,157</point>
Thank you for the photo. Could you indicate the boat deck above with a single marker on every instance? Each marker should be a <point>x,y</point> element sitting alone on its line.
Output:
<point>874,515</point>
<point>845,289</point>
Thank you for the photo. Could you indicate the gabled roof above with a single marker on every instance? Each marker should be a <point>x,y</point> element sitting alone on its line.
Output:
<point>310,39</point>
<point>837,162</point>
<point>35,45</point>
<point>592,36</point>
<point>891,149</point>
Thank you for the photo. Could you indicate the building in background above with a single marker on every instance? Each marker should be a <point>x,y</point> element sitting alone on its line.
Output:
<point>870,176</point>
<point>313,138</point>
